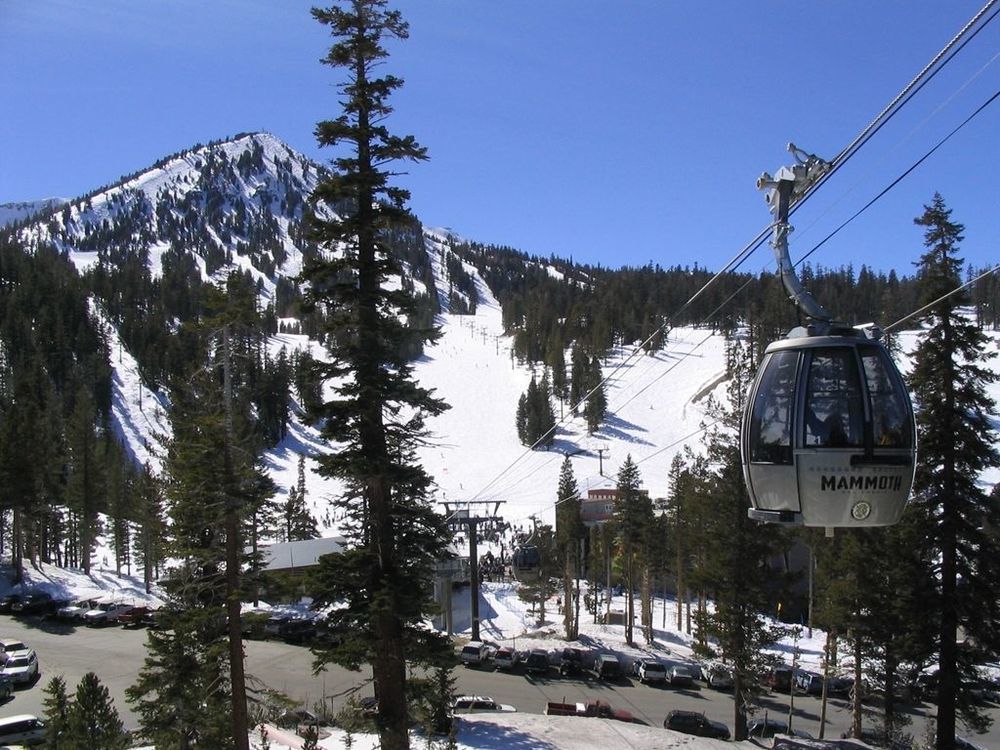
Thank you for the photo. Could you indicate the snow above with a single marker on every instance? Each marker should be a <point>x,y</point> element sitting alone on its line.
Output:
<point>506,731</point>
<point>657,406</point>
<point>13,212</point>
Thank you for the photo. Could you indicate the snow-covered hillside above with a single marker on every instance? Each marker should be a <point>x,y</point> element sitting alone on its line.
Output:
<point>237,205</point>
<point>14,212</point>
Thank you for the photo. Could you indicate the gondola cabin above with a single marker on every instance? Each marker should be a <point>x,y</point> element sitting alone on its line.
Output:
<point>526,563</point>
<point>828,435</point>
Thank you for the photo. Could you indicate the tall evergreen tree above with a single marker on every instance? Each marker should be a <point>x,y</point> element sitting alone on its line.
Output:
<point>376,416</point>
<point>597,401</point>
<point>182,694</point>
<point>737,551</point>
<point>57,712</point>
<point>538,589</point>
<point>191,691</point>
<point>633,516</point>
<point>93,720</point>
<point>86,481</point>
<point>957,444</point>
<point>569,534</point>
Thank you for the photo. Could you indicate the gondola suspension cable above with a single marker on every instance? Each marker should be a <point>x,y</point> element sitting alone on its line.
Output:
<point>936,64</point>
<point>942,298</point>
<point>709,425</point>
<point>901,177</point>
<point>929,71</point>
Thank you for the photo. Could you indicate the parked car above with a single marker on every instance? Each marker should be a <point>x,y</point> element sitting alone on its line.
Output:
<point>76,610</point>
<point>779,679</point>
<point>839,687</point>
<point>766,729</point>
<point>506,658</point>
<point>135,617</point>
<point>9,646</point>
<point>808,682</point>
<point>476,654</point>
<point>8,601</point>
<point>571,662</point>
<point>607,667</point>
<point>680,676</point>
<point>718,677</point>
<point>604,710</point>
<point>477,704</point>
<point>691,722</point>
<point>298,630</point>
<point>652,672</point>
<point>105,613</point>
<point>274,624</point>
<point>21,667</point>
<point>34,603</point>
<point>537,661</point>
<point>23,729</point>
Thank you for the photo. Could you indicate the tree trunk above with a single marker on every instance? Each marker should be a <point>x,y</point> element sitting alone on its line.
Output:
<point>647,604</point>
<point>739,708</point>
<point>16,555</point>
<point>629,598</point>
<point>856,708</point>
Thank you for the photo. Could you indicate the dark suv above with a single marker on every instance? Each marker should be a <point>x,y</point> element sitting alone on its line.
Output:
<point>537,662</point>
<point>691,722</point>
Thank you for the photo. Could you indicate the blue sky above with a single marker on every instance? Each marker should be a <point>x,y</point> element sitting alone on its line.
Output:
<point>617,133</point>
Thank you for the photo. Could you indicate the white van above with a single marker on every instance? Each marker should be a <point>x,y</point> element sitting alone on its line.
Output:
<point>22,729</point>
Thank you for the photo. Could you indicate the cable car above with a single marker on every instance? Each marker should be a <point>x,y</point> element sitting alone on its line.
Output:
<point>526,562</point>
<point>828,436</point>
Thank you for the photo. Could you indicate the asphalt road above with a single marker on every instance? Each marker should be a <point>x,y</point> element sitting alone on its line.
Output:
<point>116,655</point>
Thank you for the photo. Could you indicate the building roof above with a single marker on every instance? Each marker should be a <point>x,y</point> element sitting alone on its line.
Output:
<point>303,554</point>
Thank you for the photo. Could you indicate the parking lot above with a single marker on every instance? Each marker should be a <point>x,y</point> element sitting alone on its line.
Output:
<point>116,655</point>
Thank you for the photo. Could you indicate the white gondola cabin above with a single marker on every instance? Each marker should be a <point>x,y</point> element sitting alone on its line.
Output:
<point>828,434</point>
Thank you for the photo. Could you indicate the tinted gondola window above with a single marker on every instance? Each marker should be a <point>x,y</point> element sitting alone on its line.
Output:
<point>771,418</point>
<point>834,411</point>
<point>891,426</point>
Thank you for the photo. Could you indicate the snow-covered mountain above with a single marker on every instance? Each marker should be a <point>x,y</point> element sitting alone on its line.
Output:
<point>14,212</point>
<point>238,204</point>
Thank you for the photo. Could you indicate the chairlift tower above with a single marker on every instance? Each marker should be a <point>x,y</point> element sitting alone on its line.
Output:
<point>471,515</point>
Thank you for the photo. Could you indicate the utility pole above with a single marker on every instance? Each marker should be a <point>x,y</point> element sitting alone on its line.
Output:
<point>460,516</point>
<point>600,455</point>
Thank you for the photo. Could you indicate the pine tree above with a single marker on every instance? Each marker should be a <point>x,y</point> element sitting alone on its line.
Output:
<point>296,520</point>
<point>633,516</point>
<point>376,416</point>
<point>149,544</point>
<point>191,690</point>
<point>579,375</point>
<point>597,401</point>
<point>93,720</point>
<point>57,713</point>
<point>569,535</point>
<point>86,481</point>
<point>957,444</point>
<point>737,551</point>
<point>182,694</point>
<point>535,417</point>
<point>537,590</point>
